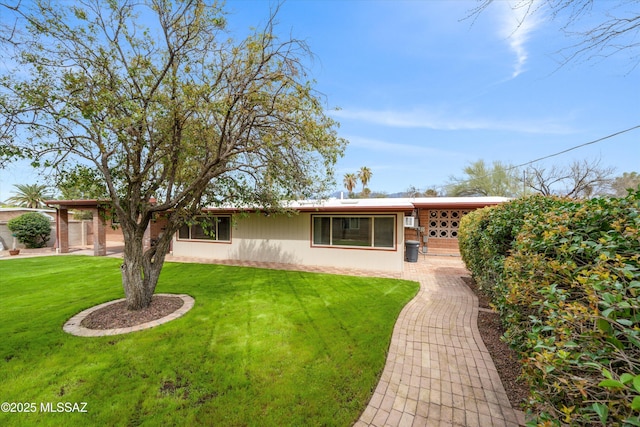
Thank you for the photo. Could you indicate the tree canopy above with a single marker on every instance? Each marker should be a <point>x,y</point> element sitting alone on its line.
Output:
<point>621,185</point>
<point>81,182</point>
<point>580,179</point>
<point>29,195</point>
<point>172,112</point>
<point>484,180</point>
<point>350,180</point>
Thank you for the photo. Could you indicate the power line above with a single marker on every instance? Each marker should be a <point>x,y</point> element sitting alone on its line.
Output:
<point>552,155</point>
<point>576,147</point>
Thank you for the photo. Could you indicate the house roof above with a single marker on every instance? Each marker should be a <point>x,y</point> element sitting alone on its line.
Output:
<point>77,204</point>
<point>351,205</point>
<point>398,204</point>
<point>339,205</point>
<point>457,202</point>
<point>383,204</point>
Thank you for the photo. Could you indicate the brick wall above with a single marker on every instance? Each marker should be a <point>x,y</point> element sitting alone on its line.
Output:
<point>440,230</point>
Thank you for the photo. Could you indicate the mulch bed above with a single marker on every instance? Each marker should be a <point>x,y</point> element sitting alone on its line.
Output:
<point>505,359</point>
<point>117,316</point>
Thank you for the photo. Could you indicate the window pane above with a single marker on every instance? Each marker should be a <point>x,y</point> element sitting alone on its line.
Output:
<point>183,233</point>
<point>383,229</point>
<point>321,230</point>
<point>351,231</point>
<point>204,229</point>
<point>224,228</point>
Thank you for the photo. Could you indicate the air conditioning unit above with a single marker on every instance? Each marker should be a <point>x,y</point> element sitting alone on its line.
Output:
<point>410,222</point>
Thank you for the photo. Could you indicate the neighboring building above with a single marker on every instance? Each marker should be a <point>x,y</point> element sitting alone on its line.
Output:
<point>352,233</point>
<point>7,214</point>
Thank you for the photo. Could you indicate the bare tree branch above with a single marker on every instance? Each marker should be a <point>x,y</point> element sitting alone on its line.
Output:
<point>581,179</point>
<point>618,30</point>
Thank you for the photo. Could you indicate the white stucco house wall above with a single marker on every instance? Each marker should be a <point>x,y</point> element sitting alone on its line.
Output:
<point>349,233</point>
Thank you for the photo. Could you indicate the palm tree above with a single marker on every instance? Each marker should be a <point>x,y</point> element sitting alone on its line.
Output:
<point>365,176</point>
<point>29,195</point>
<point>350,181</point>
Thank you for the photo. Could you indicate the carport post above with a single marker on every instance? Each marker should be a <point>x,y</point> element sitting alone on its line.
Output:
<point>99,233</point>
<point>62,230</point>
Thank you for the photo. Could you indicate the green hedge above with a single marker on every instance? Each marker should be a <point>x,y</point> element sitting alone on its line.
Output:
<point>33,229</point>
<point>565,277</point>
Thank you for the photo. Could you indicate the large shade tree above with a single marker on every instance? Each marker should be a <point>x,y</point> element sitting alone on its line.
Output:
<point>169,109</point>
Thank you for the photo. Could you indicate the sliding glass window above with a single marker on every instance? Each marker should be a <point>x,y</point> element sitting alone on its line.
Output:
<point>217,228</point>
<point>372,231</point>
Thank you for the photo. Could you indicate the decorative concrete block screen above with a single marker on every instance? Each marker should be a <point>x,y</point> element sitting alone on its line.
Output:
<point>444,224</point>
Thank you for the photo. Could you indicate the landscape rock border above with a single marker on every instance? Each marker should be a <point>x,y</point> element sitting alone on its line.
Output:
<point>73,327</point>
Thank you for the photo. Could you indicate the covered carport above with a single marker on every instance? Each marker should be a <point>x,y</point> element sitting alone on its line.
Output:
<point>99,209</point>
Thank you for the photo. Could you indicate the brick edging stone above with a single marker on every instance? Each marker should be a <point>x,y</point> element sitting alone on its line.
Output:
<point>73,327</point>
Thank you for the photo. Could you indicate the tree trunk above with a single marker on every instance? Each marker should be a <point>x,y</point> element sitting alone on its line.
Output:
<point>135,290</point>
<point>136,287</point>
<point>141,270</point>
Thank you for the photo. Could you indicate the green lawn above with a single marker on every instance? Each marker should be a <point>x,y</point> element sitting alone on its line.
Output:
<point>259,348</point>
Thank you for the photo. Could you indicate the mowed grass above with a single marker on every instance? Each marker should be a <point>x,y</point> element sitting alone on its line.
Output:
<point>259,348</point>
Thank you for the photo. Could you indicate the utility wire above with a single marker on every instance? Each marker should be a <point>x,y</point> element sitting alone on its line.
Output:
<point>551,155</point>
<point>576,147</point>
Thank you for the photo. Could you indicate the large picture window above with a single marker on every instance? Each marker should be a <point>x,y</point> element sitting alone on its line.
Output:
<point>216,228</point>
<point>374,231</point>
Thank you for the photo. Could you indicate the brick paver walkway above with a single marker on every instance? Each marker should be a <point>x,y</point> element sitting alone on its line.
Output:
<point>438,371</point>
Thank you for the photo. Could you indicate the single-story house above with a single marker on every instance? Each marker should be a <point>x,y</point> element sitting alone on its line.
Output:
<point>349,233</point>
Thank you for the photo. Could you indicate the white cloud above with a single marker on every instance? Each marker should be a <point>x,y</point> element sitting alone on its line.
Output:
<point>517,21</point>
<point>440,120</point>
<point>396,149</point>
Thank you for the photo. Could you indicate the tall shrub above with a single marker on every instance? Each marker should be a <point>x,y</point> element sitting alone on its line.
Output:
<point>33,229</point>
<point>565,277</point>
<point>487,236</point>
<point>573,311</point>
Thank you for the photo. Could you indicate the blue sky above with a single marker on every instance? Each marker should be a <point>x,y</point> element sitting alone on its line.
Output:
<point>422,92</point>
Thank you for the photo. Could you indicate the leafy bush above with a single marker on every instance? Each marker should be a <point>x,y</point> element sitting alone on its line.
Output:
<point>486,238</point>
<point>33,229</point>
<point>565,276</point>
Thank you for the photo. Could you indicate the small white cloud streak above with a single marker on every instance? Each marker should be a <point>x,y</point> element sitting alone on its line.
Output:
<point>437,121</point>
<point>517,22</point>
<point>397,149</point>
